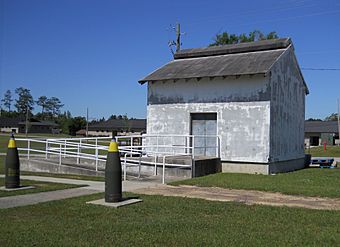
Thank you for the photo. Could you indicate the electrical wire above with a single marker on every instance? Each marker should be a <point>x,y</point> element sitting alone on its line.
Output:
<point>333,69</point>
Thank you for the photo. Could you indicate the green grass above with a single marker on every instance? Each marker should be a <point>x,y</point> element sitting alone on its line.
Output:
<point>308,182</point>
<point>41,146</point>
<point>166,221</point>
<point>39,187</point>
<point>331,151</point>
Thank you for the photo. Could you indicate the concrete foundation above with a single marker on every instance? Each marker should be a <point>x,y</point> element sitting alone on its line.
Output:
<point>125,202</point>
<point>269,168</point>
<point>37,165</point>
<point>202,166</point>
<point>205,167</point>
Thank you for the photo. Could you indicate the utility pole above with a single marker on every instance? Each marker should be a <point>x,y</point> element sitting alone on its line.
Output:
<point>26,131</point>
<point>87,122</point>
<point>178,37</point>
<point>176,43</point>
<point>338,123</point>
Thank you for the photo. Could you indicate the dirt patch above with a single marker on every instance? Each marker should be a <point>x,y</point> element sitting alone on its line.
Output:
<point>244,196</point>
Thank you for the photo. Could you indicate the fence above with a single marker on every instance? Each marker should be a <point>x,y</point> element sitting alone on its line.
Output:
<point>133,150</point>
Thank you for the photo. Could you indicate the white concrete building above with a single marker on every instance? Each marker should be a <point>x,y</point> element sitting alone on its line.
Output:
<point>252,95</point>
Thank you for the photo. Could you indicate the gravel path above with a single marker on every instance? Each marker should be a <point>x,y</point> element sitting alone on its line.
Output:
<point>244,196</point>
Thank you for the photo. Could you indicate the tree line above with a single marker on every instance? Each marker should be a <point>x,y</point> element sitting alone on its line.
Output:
<point>50,109</point>
<point>21,104</point>
<point>225,38</point>
<point>331,117</point>
<point>24,104</point>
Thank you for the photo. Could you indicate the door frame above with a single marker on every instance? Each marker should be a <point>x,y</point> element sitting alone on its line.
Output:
<point>207,116</point>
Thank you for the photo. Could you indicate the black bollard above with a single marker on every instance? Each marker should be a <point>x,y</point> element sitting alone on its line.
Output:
<point>12,165</point>
<point>113,174</point>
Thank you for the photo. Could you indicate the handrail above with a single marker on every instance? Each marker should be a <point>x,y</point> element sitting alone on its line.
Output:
<point>156,146</point>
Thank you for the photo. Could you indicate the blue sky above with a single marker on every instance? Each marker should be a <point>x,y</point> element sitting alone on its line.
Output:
<point>91,53</point>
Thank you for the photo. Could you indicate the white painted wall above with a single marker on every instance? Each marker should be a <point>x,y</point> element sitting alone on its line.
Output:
<point>259,119</point>
<point>231,89</point>
<point>242,126</point>
<point>9,129</point>
<point>287,109</point>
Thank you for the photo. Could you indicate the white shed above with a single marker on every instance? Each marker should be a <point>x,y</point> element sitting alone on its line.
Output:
<point>252,95</point>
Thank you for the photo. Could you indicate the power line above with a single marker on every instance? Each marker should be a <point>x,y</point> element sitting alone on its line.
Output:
<point>291,17</point>
<point>335,69</point>
<point>252,12</point>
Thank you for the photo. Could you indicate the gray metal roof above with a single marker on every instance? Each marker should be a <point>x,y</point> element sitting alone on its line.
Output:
<point>228,60</point>
<point>213,66</point>
<point>321,126</point>
<point>10,122</point>
<point>118,124</point>
<point>262,45</point>
<point>40,123</point>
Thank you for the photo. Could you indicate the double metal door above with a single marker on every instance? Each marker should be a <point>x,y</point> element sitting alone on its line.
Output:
<point>204,128</point>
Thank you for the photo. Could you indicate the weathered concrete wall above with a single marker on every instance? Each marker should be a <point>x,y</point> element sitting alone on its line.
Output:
<point>9,129</point>
<point>242,126</point>
<point>287,111</point>
<point>259,119</point>
<point>231,89</point>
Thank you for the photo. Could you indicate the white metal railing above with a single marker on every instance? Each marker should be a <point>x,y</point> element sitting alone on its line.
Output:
<point>132,149</point>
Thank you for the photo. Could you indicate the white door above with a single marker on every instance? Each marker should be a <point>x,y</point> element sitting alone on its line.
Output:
<point>204,125</point>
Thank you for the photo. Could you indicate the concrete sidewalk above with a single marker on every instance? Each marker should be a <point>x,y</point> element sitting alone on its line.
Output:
<point>91,188</point>
<point>35,198</point>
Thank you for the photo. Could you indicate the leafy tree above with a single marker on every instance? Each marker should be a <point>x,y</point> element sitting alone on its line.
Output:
<point>112,117</point>
<point>272,35</point>
<point>76,124</point>
<point>332,117</point>
<point>53,106</point>
<point>42,102</point>
<point>12,114</point>
<point>314,119</point>
<point>225,38</point>
<point>7,100</point>
<point>25,100</point>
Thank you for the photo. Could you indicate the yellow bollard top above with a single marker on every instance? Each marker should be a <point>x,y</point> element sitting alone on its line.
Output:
<point>12,143</point>
<point>113,148</point>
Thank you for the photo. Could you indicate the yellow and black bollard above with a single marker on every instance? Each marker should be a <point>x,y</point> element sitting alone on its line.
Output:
<point>113,174</point>
<point>12,165</point>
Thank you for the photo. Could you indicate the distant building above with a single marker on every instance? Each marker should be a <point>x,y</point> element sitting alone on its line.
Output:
<point>319,132</point>
<point>117,127</point>
<point>251,95</point>
<point>36,126</point>
<point>8,125</point>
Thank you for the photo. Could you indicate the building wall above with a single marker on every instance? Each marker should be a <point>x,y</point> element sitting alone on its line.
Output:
<point>230,89</point>
<point>9,129</point>
<point>242,106</point>
<point>287,114</point>
<point>109,133</point>
<point>38,129</point>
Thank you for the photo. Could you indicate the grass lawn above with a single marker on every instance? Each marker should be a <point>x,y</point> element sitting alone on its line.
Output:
<point>166,221</point>
<point>331,151</point>
<point>39,187</point>
<point>309,182</point>
<point>41,146</point>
